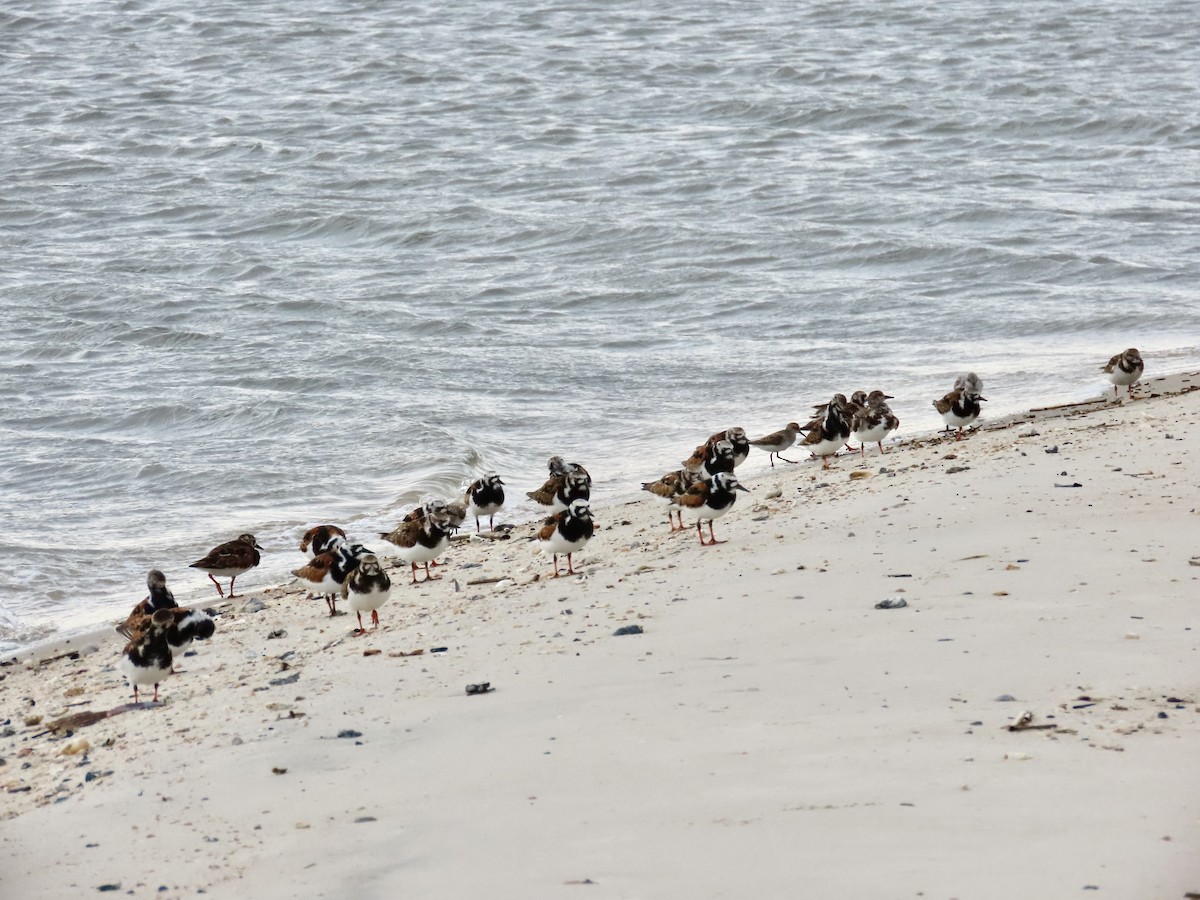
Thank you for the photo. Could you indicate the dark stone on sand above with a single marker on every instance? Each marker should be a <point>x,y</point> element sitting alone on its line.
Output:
<point>349,733</point>
<point>290,679</point>
<point>1006,698</point>
<point>628,629</point>
<point>365,819</point>
<point>109,887</point>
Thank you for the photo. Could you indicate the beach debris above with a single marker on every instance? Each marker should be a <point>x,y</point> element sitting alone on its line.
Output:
<point>253,605</point>
<point>774,494</point>
<point>892,603</point>
<point>1194,561</point>
<point>481,688</point>
<point>362,819</point>
<point>1006,698</point>
<point>75,747</point>
<point>628,629</point>
<point>438,649</point>
<point>1024,722</point>
<point>372,652</point>
<point>1072,485</point>
<point>287,679</point>
<point>956,469</point>
<point>1017,756</point>
<point>109,887</point>
<point>859,474</point>
<point>349,733</point>
<point>278,770</point>
<point>278,633</point>
<point>1053,449</point>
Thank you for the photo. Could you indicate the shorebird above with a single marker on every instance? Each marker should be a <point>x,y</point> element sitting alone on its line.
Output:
<point>1124,370</point>
<point>828,432</point>
<point>230,560</point>
<point>778,441</point>
<point>960,408</point>
<point>874,422</point>
<point>147,659</point>
<point>566,532</point>
<point>181,626</point>
<point>422,539</point>
<point>485,497</point>
<point>326,573</point>
<point>321,539</point>
<point>559,490</point>
<point>367,588</point>
<point>708,500</point>
<point>668,488</point>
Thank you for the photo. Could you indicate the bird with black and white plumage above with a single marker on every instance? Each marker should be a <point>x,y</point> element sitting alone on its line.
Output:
<point>321,539</point>
<point>669,487</point>
<point>829,431</point>
<point>229,560</point>
<point>1124,370</point>
<point>147,658</point>
<point>960,408</point>
<point>366,589</point>
<point>182,625</point>
<point>567,532</point>
<point>708,500</point>
<point>485,497</point>
<point>874,421</point>
<point>559,490</point>
<point>778,441</point>
<point>421,539</point>
<point>326,573</point>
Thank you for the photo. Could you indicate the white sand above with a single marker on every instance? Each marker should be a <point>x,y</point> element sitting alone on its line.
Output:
<point>771,734</point>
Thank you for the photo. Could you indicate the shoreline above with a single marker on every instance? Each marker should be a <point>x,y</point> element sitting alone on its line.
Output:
<point>771,726</point>
<point>1152,388</point>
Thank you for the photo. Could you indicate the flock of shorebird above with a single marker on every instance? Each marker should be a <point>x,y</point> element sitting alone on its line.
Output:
<point>704,487</point>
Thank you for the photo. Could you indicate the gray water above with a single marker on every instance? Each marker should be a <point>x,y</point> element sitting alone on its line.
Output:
<point>265,265</point>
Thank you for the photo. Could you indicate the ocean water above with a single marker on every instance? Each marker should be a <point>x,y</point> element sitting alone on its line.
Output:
<point>266,265</point>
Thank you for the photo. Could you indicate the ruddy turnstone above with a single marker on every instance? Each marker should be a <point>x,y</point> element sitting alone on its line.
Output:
<point>321,539</point>
<point>230,560</point>
<point>485,497</point>
<point>960,408</point>
<point>874,422</point>
<point>147,659</point>
<point>326,572</point>
<point>778,441</point>
<point>182,627</point>
<point>827,433</point>
<point>423,539</point>
<point>559,490</point>
<point>670,486</point>
<point>1124,370</point>
<point>709,459</point>
<point>737,437</point>
<point>367,588</point>
<point>710,500</point>
<point>566,532</point>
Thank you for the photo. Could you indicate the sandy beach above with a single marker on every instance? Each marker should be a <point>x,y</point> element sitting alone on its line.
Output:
<point>770,733</point>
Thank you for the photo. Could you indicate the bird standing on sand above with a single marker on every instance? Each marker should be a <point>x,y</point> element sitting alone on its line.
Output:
<point>485,497</point>
<point>874,422</point>
<point>147,658</point>
<point>559,490</point>
<point>1124,370</point>
<point>422,539</point>
<point>326,573</point>
<point>160,596</point>
<point>321,539</point>
<point>230,560</point>
<point>567,532</point>
<point>708,500</point>
<point>827,433</point>
<point>668,488</point>
<point>778,441</point>
<point>367,588</point>
<point>960,408</point>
